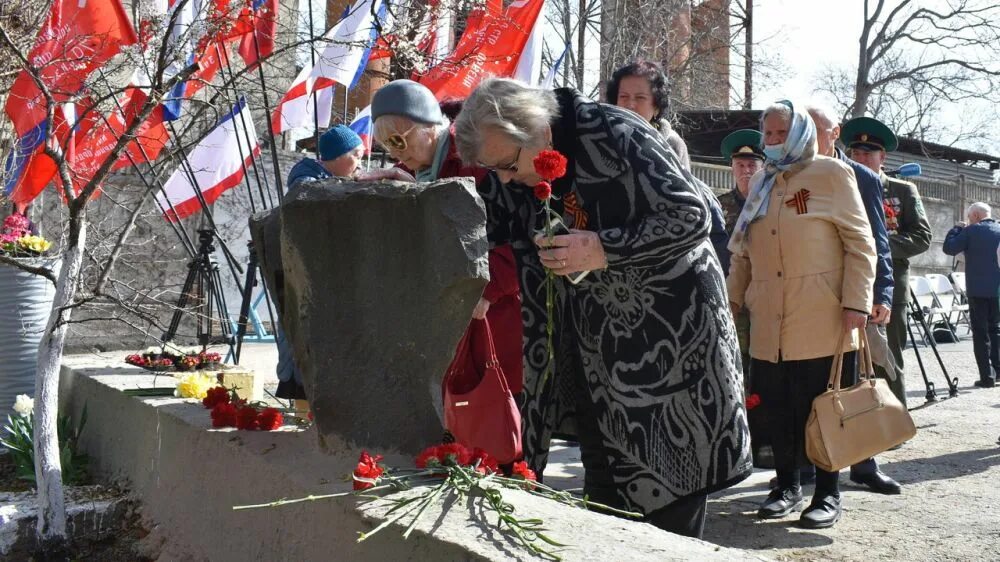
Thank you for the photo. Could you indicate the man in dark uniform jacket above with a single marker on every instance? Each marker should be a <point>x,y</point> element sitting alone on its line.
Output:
<point>868,140</point>
<point>827,131</point>
<point>743,148</point>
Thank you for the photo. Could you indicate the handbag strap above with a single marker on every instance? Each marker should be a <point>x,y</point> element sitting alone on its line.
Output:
<point>493,361</point>
<point>866,369</point>
<point>837,367</point>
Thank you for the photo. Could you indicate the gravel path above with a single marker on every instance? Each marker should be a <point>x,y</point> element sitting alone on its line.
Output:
<point>950,472</point>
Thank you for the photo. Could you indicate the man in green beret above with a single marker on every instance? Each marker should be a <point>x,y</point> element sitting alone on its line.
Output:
<point>868,140</point>
<point>743,149</point>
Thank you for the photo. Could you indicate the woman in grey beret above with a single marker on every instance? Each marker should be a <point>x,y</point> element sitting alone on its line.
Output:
<point>409,123</point>
<point>646,373</point>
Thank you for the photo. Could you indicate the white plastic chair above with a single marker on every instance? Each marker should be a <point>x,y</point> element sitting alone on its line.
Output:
<point>949,299</point>
<point>958,281</point>
<point>925,299</point>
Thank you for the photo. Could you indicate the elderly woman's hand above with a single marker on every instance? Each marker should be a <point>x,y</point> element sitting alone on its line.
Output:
<point>385,174</point>
<point>854,319</point>
<point>580,250</point>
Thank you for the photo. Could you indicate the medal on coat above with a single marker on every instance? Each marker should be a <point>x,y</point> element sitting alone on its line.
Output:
<point>798,201</point>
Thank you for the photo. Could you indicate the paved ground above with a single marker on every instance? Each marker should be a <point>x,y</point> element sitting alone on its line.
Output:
<point>949,509</point>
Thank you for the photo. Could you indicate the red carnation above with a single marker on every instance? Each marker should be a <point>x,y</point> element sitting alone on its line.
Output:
<point>487,464</point>
<point>246,418</point>
<point>753,401</point>
<point>368,471</point>
<point>270,419</point>
<point>429,457</point>
<point>550,165</point>
<point>520,471</point>
<point>215,396</point>
<point>454,454</point>
<point>224,415</point>
<point>543,190</point>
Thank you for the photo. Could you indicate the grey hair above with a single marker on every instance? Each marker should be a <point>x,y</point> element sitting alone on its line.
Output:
<point>387,125</point>
<point>983,208</point>
<point>513,108</point>
<point>780,109</point>
<point>822,111</point>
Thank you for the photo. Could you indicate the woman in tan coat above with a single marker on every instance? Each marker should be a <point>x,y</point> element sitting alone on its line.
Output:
<point>803,264</point>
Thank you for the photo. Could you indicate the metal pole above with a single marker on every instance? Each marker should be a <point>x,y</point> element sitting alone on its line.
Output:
<point>180,232</point>
<point>279,188</point>
<point>312,59</point>
<point>224,55</point>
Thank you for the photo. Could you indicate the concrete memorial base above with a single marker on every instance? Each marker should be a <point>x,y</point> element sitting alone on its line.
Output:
<point>188,476</point>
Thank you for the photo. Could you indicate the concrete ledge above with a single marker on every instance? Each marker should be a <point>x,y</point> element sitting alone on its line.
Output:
<point>187,476</point>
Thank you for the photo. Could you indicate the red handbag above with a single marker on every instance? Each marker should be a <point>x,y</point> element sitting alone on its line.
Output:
<point>479,409</point>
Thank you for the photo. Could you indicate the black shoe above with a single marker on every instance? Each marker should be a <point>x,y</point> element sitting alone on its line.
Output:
<point>823,512</point>
<point>780,503</point>
<point>985,383</point>
<point>807,477</point>
<point>878,482</point>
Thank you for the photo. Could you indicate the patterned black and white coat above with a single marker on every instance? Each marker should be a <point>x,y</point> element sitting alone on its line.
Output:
<point>648,345</point>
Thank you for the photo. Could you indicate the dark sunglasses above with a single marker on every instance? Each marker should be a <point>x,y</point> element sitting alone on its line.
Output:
<point>510,167</point>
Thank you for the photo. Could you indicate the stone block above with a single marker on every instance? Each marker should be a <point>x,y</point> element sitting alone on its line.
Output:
<point>379,283</point>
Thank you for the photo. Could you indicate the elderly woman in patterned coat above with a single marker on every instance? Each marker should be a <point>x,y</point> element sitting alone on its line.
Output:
<point>646,372</point>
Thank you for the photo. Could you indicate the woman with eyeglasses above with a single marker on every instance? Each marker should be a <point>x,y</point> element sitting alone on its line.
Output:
<point>646,371</point>
<point>412,126</point>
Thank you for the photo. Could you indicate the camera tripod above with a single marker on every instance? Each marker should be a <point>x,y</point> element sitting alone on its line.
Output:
<point>918,314</point>
<point>204,285</point>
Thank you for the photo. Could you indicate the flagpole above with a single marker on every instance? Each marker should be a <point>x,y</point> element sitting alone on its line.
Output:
<point>312,59</point>
<point>223,54</point>
<point>180,232</point>
<point>234,266</point>
<point>279,187</point>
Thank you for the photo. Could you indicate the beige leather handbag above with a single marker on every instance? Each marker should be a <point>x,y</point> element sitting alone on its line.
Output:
<point>849,425</point>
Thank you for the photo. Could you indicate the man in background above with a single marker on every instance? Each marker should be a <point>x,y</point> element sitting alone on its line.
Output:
<point>979,239</point>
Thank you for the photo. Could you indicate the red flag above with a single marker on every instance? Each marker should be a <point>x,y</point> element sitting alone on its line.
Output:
<point>491,46</point>
<point>264,16</point>
<point>79,36</point>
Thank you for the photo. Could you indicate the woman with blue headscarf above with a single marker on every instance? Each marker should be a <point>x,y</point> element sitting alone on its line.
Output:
<point>803,264</point>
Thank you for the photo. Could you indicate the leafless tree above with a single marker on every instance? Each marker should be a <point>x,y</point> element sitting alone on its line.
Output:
<point>917,60</point>
<point>99,246</point>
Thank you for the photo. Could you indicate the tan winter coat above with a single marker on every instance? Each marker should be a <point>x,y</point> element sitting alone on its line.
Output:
<point>802,265</point>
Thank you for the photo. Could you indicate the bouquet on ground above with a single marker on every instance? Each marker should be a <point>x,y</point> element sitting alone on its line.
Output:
<point>172,357</point>
<point>229,410</point>
<point>17,241</point>
<point>449,473</point>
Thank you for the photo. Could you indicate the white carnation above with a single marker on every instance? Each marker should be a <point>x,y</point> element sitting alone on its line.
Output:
<point>24,405</point>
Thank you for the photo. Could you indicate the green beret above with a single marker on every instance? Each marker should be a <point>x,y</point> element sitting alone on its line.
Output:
<point>745,143</point>
<point>868,133</point>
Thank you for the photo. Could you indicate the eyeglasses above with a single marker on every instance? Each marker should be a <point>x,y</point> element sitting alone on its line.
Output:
<point>397,141</point>
<point>510,167</point>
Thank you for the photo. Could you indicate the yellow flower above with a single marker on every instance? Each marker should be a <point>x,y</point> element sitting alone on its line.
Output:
<point>194,385</point>
<point>35,244</point>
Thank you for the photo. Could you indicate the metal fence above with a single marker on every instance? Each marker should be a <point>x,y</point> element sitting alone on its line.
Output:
<point>958,191</point>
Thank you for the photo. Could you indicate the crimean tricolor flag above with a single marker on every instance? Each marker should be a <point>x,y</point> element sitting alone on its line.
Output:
<point>347,43</point>
<point>214,166</point>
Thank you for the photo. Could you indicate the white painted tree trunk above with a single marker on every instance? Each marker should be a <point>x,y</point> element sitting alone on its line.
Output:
<point>51,527</point>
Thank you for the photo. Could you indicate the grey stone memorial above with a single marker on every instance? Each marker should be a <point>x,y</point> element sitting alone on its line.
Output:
<point>375,283</point>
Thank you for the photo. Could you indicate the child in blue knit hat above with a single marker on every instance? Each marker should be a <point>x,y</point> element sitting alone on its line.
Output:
<point>340,154</point>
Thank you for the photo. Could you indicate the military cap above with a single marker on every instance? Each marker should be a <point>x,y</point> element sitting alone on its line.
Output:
<point>745,143</point>
<point>868,133</point>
